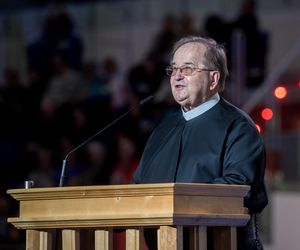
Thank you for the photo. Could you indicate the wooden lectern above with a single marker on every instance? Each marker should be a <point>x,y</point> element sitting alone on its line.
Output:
<point>168,207</point>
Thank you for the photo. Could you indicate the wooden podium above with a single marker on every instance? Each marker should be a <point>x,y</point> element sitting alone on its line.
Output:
<point>168,207</point>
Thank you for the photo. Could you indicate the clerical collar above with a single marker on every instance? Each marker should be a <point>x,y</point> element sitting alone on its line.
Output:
<point>201,108</point>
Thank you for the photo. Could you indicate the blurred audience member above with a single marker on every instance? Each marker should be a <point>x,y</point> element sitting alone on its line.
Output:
<point>8,233</point>
<point>145,78</point>
<point>94,85</point>
<point>63,87</point>
<point>57,38</point>
<point>127,160</point>
<point>116,84</point>
<point>217,28</point>
<point>97,168</point>
<point>13,106</point>
<point>4,211</point>
<point>165,39</point>
<point>43,175</point>
<point>256,42</point>
<point>186,25</point>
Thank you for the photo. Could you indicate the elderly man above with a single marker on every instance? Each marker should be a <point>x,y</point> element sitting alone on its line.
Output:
<point>208,140</point>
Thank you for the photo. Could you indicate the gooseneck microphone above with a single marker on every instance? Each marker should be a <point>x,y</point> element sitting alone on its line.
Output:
<point>62,175</point>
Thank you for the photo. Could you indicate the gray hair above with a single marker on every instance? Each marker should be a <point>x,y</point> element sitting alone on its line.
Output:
<point>214,56</point>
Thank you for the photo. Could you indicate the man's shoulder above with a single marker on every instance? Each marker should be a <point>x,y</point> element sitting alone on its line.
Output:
<point>233,112</point>
<point>236,120</point>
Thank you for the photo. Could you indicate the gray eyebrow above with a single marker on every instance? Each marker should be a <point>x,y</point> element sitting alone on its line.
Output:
<point>186,63</point>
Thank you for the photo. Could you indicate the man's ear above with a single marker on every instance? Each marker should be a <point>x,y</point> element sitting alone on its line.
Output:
<point>214,79</point>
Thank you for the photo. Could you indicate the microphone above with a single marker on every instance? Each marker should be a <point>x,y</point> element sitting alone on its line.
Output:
<point>62,175</point>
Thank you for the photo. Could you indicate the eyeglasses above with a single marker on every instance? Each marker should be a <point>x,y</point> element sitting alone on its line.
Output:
<point>184,70</point>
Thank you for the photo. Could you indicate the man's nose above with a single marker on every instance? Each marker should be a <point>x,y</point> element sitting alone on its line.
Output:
<point>178,74</point>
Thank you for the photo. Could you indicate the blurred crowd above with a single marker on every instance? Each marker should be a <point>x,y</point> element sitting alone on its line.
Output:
<point>65,100</point>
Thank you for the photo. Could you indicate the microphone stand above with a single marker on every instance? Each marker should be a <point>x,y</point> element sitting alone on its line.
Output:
<point>64,164</point>
<point>65,161</point>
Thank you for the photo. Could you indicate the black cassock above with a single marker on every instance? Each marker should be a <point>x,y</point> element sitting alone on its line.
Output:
<point>221,146</point>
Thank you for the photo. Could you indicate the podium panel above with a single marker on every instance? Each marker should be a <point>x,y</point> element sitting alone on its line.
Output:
<point>168,207</point>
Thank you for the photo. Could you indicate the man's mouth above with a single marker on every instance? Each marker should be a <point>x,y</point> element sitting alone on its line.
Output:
<point>179,86</point>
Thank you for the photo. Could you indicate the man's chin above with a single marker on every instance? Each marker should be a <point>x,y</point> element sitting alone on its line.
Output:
<point>185,104</point>
<point>182,101</point>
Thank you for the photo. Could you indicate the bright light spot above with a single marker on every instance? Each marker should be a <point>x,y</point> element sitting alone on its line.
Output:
<point>267,114</point>
<point>258,128</point>
<point>280,92</point>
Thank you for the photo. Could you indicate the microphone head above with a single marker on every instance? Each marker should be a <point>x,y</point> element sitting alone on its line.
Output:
<point>147,99</point>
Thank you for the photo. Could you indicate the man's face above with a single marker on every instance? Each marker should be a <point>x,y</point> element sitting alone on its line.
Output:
<point>192,90</point>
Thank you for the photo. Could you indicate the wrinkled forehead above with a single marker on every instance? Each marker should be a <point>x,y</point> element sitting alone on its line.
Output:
<point>192,52</point>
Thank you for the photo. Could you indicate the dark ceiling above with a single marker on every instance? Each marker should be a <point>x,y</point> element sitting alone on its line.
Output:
<point>21,4</point>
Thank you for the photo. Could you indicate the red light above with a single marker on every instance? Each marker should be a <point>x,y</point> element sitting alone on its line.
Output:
<point>258,128</point>
<point>267,114</point>
<point>280,92</point>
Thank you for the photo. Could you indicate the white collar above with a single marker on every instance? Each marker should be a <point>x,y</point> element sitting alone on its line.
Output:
<point>203,107</point>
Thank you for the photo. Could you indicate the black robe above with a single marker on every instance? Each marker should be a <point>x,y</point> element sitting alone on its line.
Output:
<point>221,146</point>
